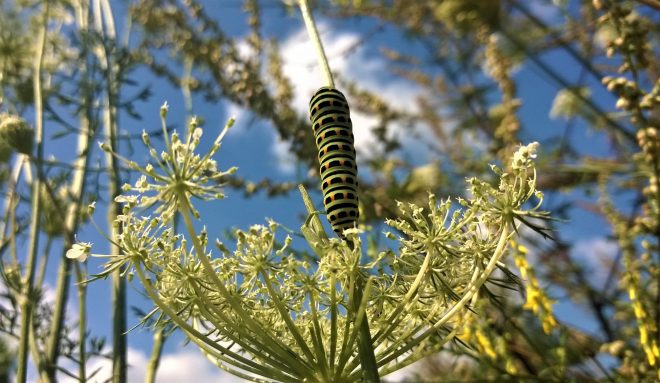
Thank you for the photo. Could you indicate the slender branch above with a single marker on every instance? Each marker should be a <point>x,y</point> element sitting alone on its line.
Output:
<point>72,218</point>
<point>614,125</point>
<point>154,360</point>
<point>314,36</point>
<point>655,4</point>
<point>345,349</point>
<point>405,303</point>
<point>470,290</point>
<point>104,25</point>
<point>367,355</point>
<point>413,357</point>
<point>27,286</point>
<point>201,340</point>
<point>333,321</point>
<point>82,325</point>
<point>268,360</point>
<point>11,198</point>
<point>586,63</point>
<point>234,301</point>
<point>318,335</point>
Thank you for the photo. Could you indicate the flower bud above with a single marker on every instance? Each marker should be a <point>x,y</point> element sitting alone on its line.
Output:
<point>15,132</point>
<point>164,109</point>
<point>91,207</point>
<point>105,147</point>
<point>145,138</point>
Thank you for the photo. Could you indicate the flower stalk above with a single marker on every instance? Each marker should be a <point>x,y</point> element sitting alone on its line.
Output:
<point>72,220</point>
<point>27,300</point>
<point>316,40</point>
<point>154,360</point>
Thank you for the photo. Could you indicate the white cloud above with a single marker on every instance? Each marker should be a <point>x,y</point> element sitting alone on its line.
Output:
<point>188,365</point>
<point>426,366</point>
<point>286,161</point>
<point>191,366</point>
<point>346,57</point>
<point>301,67</point>
<point>402,374</point>
<point>597,254</point>
<point>100,369</point>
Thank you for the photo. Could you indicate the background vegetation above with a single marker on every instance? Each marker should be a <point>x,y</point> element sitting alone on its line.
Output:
<point>72,72</point>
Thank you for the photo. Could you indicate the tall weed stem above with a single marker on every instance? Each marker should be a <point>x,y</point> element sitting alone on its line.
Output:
<point>27,296</point>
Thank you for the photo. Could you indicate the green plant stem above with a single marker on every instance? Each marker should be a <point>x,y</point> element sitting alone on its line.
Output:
<point>236,333</point>
<point>393,352</point>
<point>314,220</point>
<point>318,336</point>
<point>415,357</point>
<point>359,308</point>
<point>26,299</point>
<point>365,341</point>
<point>314,36</point>
<point>37,356</point>
<point>119,344</point>
<point>357,315</point>
<point>194,335</point>
<point>43,262</point>
<point>72,217</point>
<point>333,321</point>
<point>154,360</point>
<point>235,303</point>
<point>345,350</point>
<point>11,200</point>
<point>405,303</point>
<point>238,338</point>
<point>106,27</point>
<point>293,329</point>
<point>82,321</point>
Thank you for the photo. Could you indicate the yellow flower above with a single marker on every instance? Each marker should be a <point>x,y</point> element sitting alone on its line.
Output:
<point>485,344</point>
<point>538,301</point>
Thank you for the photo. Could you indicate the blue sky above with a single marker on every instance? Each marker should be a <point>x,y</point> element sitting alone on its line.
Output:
<point>253,146</point>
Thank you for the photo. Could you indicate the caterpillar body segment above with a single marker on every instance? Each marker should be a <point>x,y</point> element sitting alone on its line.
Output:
<point>331,123</point>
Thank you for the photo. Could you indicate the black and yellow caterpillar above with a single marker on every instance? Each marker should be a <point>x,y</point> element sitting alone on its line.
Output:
<point>333,131</point>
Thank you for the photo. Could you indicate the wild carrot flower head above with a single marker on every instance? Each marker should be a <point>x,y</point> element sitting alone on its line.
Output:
<point>281,313</point>
<point>177,173</point>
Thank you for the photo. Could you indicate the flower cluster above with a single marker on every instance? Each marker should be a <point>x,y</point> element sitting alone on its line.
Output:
<point>268,310</point>
<point>179,173</point>
<point>538,300</point>
<point>15,135</point>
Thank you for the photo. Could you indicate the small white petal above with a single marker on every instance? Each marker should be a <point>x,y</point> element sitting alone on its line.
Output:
<point>79,251</point>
